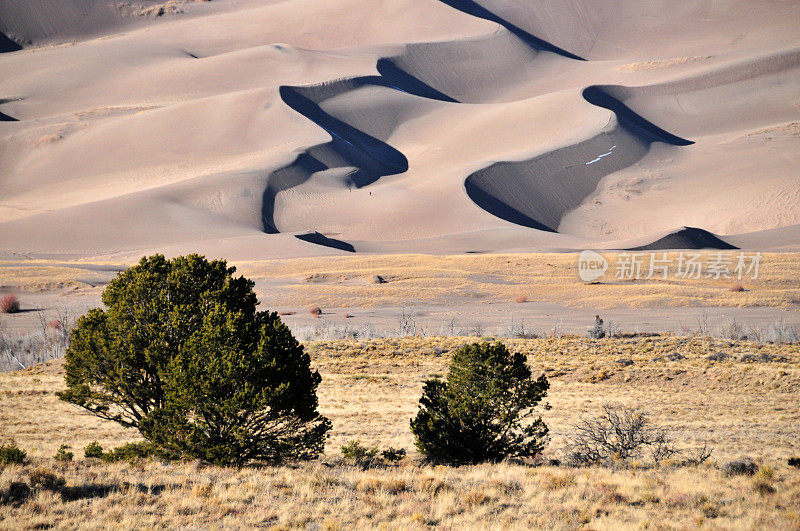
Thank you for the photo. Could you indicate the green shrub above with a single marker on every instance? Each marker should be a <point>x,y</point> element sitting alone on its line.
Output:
<point>354,450</point>
<point>10,454</point>
<point>485,411</point>
<point>93,450</point>
<point>129,452</point>
<point>182,354</point>
<point>63,454</point>
<point>392,455</point>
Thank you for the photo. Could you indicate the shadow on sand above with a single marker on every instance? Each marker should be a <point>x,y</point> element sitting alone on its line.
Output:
<point>320,239</point>
<point>7,45</point>
<point>476,10</point>
<point>538,192</point>
<point>636,124</point>
<point>361,158</point>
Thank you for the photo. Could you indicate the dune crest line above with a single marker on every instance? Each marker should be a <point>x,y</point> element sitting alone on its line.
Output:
<point>476,10</point>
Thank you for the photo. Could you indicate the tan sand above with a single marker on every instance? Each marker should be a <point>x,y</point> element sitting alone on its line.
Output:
<point>402,126</point>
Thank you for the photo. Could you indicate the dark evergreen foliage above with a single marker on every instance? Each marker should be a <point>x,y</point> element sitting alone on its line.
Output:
<point>485,411</point>
<point>182,354</point>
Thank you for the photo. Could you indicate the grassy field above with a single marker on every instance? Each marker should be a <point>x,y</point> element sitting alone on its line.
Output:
<point>346,281</point>
<point>740,398</point>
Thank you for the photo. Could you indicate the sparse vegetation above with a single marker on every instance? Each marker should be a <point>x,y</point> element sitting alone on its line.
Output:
<point>619,433</point>
<point>417,279</point>
<point>47,342</point>
<point>182,355</point>
<point>484,411</point>
<point>686,396</point>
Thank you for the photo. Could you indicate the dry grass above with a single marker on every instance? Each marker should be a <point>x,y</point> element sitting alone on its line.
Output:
<point>420,279</point>
<point>370,391</point>
<point>43,276</point>
<point>346,282</point>
<point>340,497</point>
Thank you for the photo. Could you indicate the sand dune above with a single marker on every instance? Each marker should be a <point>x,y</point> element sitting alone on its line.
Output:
<point>269,128</point>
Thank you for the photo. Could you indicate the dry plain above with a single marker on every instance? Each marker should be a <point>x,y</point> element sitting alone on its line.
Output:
<point>741,405</point>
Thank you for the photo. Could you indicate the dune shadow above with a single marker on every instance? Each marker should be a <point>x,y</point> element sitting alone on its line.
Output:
<point>284,179</point>
<point>471,7</point>
<point>8,45</point>
<point>4,117</point>
<point>373,158</point>
<point>637,124</point>
<point>392,76</point>
<point>687,238</point>
<point>538,192</point>
<point>359,158</point>
<point>320,239</point>
<point>495,205</point>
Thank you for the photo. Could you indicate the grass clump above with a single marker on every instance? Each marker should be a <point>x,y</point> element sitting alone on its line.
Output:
<point>63,454</point>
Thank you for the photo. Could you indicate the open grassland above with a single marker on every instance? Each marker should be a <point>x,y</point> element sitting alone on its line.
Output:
<point>347,281</point>
<point>738,397</point>
<point>320,496</point>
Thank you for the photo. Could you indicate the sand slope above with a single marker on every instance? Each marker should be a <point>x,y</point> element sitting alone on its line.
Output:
<point>256,129</point>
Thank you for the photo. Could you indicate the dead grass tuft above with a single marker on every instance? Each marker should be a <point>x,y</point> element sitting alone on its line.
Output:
<point>373,485</point>
<point>9,304</point>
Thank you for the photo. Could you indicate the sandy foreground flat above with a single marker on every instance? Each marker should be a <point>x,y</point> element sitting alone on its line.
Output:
<point>230,127</point>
